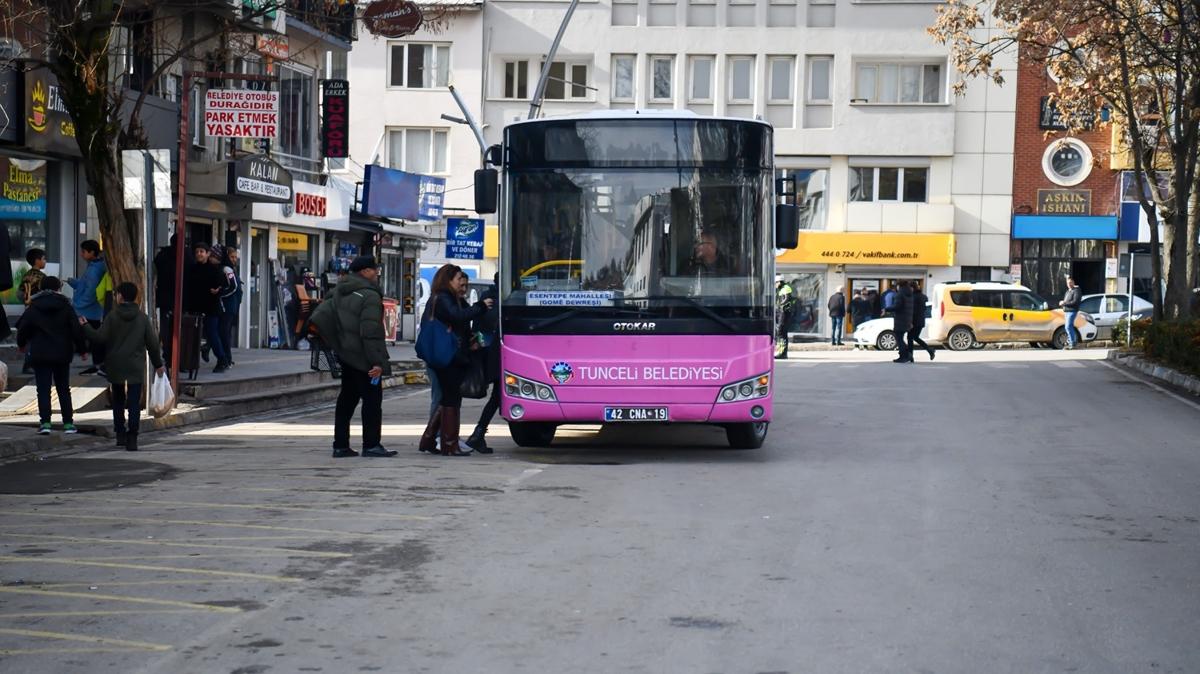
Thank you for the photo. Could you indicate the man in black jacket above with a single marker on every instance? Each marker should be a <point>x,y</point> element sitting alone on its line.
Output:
<point>488,326</point>
<point>837,315</point>
<point>164,292</point>
<point>51,332</point>
<point>918,323</point>
<point>1070,304</point>
<point>202,285</point>
<point>902,317</point>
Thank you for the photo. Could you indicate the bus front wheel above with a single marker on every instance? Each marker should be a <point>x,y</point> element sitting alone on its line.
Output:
<point>749,435</point>
<point>531,434</point>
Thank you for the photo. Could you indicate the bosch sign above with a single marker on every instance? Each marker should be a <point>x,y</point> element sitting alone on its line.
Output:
<point>311,204</point>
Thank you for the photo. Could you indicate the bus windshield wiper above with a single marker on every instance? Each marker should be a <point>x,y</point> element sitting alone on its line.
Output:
<point>700,306</point>
<point>582,310</point>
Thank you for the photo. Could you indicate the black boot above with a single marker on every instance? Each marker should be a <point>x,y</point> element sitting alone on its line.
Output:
<point>477,441</point>
<point>122,438</point>
<point>131,442</point>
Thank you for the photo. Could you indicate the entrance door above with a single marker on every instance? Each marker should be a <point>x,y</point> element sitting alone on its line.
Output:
<point>865,286</point>
<point>258,281</point>
<point>1088,275</point>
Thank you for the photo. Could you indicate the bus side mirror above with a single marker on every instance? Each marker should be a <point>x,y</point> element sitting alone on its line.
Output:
<point>487,189</point>
<point>787,226</point>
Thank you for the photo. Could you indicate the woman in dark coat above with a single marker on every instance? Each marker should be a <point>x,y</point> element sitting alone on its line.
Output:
<point>918,323</point>
<point>447,306</point>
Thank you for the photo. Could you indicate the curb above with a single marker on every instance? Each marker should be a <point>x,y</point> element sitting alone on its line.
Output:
<point>1155,371</point>
<point>95,435</point>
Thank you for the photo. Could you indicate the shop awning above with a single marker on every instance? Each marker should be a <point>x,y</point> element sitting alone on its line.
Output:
<point>405,231</point>
<point>1102,227</point>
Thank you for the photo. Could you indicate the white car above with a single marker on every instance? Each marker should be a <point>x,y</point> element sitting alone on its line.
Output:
<point>878,332</point>
<point>1110,309</point>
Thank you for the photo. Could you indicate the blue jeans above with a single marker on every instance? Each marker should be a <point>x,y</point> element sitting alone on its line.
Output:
<point>1070,327</point>
<point>216,339</point>
<point>837,328</point>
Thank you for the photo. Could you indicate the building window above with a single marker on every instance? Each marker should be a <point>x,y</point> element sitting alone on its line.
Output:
<point>661,78</point>
<point>700,72</point>
<point>820,74</point>
<point>297,112</point>
<point>419,66</point>
<point>624,12</point>
<point>741,79</point>
<point>623,69</point>
<point>418,150</point>
<point>889,184</point>
<point>810,302</point>
<point>567,81</point>
<point>899,83</point>
<point>822,13</point>
<point>516,79</point>
<point>1067,162</point>
<point>781,79</point>
<point>810,195</point>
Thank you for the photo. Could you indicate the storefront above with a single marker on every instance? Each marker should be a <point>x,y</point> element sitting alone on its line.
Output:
<point>825,262</point>
<point>292,244</point>
<point>41,185</point>
<point>1046,249</point>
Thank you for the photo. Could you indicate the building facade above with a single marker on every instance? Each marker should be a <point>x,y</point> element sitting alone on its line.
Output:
<point>897,179</point>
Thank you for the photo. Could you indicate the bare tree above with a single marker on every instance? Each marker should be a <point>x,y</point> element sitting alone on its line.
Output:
<point>1138,58</point>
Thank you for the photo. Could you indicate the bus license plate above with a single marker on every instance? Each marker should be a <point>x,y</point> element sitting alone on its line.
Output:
<point>635,414</point>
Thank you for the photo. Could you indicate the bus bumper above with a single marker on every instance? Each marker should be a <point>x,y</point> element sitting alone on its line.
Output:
<point>521,409</point>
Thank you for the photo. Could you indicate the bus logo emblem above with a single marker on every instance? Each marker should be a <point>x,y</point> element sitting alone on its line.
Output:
<point>562,372</point>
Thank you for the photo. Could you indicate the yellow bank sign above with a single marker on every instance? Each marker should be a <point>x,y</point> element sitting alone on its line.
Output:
<point>925,250</point>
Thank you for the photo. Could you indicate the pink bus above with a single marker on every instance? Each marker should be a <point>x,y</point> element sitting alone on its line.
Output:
<point>637,272</point>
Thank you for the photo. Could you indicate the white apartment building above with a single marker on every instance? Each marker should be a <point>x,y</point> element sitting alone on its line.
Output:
<point>398,93</point>
<point>899,179</point>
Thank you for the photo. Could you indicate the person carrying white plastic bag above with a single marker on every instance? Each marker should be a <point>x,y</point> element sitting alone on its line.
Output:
<point>162,398</point>
<point>130,337</point>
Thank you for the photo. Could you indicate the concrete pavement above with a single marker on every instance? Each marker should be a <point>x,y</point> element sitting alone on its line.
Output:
<point>992,511</point>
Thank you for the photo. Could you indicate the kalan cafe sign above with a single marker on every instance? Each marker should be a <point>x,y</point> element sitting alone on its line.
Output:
<point>260,178</point>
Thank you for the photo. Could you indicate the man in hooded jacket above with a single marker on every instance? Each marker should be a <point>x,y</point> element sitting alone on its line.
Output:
<point>50,330</point>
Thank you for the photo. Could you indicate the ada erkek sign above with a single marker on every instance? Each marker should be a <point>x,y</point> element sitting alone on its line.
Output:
<point>335,118</point>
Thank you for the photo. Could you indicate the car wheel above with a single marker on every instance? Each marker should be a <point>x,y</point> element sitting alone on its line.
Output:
<point>746,436</point>
<point>960,339</point>
<point>886,341</point>
<point>531,434</point>
<point>1060,339</point>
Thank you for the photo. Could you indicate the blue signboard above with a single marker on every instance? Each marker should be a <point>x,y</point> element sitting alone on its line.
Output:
<point>464,238</point>
<point>1065,227</point>
<point>406,196</point>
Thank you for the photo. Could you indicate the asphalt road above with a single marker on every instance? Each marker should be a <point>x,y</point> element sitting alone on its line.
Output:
<point>992,511</point>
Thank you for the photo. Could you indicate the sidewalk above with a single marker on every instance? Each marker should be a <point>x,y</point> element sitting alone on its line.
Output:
<point>262,380</point>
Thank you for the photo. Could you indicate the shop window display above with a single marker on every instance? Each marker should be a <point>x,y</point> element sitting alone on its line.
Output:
<point>23,212</point>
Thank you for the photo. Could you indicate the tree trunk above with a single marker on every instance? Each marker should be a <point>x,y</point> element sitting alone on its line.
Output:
<point>1193,238</point>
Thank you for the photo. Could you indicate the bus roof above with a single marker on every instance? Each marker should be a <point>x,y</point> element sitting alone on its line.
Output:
<point>636,114</point>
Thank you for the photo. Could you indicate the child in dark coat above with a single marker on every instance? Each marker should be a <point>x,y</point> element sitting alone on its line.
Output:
<point>50,331</point>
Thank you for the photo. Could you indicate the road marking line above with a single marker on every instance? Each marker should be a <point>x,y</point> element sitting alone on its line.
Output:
<point>220,555</point>
<point>142,645</point>
<point>1156,387</point>
<point>66,651</point>
<point>84,614</point>
<point>525,475</point>
<point>116,597</point>
<point>243,506</point>
<point>172,544</point>
<point>146,567</point>
<point>134,583</point>
<point>232,525</point>
<point>1068,364</point>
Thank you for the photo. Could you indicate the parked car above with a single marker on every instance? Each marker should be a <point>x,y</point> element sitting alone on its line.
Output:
<point>878,332</point>
<point>1111,309</point>
<point>966,314</point>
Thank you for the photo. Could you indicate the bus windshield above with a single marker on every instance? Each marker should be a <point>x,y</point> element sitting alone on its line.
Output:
<point>651,238</point>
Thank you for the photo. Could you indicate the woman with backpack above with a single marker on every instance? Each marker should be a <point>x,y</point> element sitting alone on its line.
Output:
<point>447,310</point>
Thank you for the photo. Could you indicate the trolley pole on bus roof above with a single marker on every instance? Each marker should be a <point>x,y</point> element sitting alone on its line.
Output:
<point>535,105</point>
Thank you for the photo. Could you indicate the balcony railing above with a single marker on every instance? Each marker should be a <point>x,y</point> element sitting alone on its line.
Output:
<point>328,16</point>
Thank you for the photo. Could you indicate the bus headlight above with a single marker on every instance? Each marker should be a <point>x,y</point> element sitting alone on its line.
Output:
<point>519,387</point>
<point>749,389</point>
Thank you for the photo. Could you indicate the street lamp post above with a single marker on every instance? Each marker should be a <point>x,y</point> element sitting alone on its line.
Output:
<point>181,200</point>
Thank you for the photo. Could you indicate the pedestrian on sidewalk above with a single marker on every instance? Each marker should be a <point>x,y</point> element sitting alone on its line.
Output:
<point>203,283</point>
<point>837,315</point>
<point>902,320</point>
<point>354,315</point>
<point>50,330</point>
<point>487,331</point>
<point>446,305</point>
<point>918,323</point>
<point>31,284</point>
<point>85,300</point>
<point>164,292</point>
<point>231,298</point>
<point>130,337</point>
<point>860,308</point>
<point>1070,304</point>
<point>889,301</point>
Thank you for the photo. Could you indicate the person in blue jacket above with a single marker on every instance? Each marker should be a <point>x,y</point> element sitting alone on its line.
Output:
<point>84,299</point>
